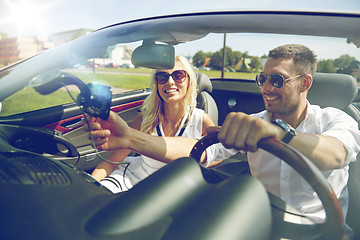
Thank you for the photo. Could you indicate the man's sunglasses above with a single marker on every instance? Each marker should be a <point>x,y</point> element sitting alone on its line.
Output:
<point>277,80</point>
<point>178,76</point>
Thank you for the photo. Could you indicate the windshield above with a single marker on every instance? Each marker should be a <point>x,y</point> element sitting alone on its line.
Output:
<point>104,57</point>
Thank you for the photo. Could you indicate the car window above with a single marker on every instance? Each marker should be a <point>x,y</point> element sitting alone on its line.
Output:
<point>247,52</point>
<point>242,61</point>
<point>114,69</point>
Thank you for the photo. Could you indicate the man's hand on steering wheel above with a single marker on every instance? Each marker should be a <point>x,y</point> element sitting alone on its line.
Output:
<point>243,132</point>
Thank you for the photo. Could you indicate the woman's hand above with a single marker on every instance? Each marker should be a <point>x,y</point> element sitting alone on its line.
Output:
<point>109,135</point>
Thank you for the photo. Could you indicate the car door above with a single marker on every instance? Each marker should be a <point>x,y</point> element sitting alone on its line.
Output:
<point>59,130</point>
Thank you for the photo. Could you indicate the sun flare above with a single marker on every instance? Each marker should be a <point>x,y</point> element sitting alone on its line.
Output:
<point>25,14</point>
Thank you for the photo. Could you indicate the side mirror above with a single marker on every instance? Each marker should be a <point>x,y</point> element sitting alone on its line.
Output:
<point>155,56</point>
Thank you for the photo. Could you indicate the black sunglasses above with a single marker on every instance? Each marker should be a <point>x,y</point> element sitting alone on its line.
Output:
<point>178,76</point>
<point>277,80</point>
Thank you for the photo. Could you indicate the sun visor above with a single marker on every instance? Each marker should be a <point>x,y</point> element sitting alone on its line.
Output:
<point>155,56</point>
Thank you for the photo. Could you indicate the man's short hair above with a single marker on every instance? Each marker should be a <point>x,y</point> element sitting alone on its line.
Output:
<point>304,59</point>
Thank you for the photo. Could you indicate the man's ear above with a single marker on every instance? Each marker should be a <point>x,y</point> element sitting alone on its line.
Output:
<point>307,82</point>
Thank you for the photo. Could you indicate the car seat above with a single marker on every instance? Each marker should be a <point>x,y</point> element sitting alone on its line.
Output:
<point>339,90</point>
<point>334,90</point>
<point>204,100</point>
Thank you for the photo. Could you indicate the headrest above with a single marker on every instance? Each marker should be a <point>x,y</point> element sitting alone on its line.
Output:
<point>203,82</point>
<point>332,90</point>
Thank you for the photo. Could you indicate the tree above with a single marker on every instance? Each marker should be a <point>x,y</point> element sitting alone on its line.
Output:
<point>245,55</point>
<point>237,56</point>
<point>199,59</point>
<point>216,61</point>
<point>255,64</point>
<point>326,66</point>
<point>229,57</point>
<point>343,61</point>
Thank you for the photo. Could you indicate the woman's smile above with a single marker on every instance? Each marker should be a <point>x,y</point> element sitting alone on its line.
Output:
<point>171,90</point>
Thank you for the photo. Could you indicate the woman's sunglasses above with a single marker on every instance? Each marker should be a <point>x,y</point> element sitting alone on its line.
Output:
<point>277,80</point>
<point>178,76</point>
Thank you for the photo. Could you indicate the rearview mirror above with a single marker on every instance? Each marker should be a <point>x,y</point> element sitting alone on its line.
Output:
<point>155,56</point>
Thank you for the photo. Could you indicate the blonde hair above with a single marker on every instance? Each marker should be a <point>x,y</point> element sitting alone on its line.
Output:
<point>152,108</point>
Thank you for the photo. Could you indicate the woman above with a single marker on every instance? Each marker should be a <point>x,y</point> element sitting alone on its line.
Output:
<point>168,111</point>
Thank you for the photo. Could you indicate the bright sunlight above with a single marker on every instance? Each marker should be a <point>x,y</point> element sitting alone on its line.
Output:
<point>24,14</point>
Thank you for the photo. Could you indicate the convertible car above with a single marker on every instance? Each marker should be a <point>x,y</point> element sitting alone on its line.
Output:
<point>46,156</point>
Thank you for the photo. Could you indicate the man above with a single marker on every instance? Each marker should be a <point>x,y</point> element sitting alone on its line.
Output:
<point>329,137</point>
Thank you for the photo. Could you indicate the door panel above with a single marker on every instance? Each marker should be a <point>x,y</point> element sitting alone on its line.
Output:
<point>66,122</point>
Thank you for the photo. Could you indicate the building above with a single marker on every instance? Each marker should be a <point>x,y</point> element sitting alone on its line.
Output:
<point>117,56</point>
<point>14,49</point>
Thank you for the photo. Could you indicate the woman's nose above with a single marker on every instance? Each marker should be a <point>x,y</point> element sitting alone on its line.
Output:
<point>171,80</point>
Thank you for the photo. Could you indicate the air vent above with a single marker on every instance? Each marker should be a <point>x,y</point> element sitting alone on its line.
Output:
<point>28,168</point>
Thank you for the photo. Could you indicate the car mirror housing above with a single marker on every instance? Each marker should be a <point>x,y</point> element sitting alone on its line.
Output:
<point>155,56</point>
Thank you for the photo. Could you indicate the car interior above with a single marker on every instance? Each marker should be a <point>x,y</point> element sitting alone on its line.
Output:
<point>46,156</point>
<point>142,216</point>
<point>328,90</point>
<point>168,208</point>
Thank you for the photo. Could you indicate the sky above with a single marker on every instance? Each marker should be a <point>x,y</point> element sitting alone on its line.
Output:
<point>44,17</point>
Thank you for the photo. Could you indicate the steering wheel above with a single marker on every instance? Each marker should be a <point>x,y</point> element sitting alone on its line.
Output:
<point>334,225</point>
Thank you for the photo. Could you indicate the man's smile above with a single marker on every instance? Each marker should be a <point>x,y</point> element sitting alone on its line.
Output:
<point>269,98</point>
